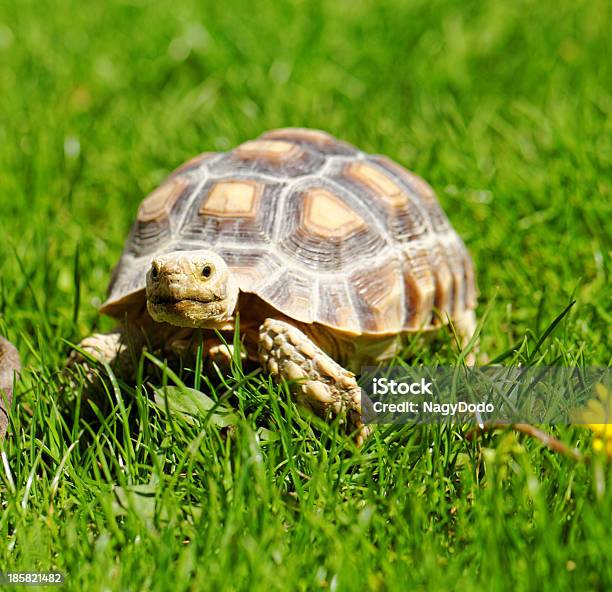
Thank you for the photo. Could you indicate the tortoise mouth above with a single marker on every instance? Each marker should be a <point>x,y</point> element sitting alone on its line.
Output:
<point>169,301</point>
<point>185,312</point>
<point>169,309</point>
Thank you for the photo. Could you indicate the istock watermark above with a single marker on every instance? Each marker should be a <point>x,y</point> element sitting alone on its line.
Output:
<point>543,394</point>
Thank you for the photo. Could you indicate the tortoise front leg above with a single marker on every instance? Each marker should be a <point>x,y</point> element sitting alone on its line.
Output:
<point>321,384</point>
<point>10,364</point>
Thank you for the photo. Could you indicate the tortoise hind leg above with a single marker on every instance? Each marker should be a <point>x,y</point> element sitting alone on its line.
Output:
<point>465,326</point>
<point>111,348</point>
<point>322,384</point>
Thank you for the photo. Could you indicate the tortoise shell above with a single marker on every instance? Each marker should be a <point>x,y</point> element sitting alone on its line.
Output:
<point>313,226</point>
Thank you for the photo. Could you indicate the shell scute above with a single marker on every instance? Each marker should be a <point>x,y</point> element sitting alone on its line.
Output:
<point>233,198</point>
<point>421,190</point>
<point>252,265</point>
<point>327,216</point>
<point>232,210</point>
<point>334,303</point>
<point>322,230</point>
<point>158,205</point>
<point>319,140</point>
<point>277,158</point>
<point>381,185</point>
<point>378,296</point>
<point>419,290</point>
<point>291,292</point>
<point>156,220</point>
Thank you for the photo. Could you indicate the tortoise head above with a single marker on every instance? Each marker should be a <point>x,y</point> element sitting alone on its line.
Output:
<point>191,289</point>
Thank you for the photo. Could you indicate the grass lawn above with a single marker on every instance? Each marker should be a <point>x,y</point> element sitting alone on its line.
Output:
<point>504,107</point>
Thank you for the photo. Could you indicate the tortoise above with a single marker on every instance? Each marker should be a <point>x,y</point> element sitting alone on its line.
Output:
<point>10,366</point>
<point>327,255</point>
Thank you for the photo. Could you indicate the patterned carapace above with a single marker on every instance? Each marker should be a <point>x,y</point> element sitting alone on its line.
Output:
<point>318,229</point>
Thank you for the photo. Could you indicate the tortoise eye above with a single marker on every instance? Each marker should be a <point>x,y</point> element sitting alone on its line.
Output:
<point>206,271</point>
<point>154,271</point>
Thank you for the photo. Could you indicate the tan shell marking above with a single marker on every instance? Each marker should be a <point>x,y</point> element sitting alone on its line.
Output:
<point>158,205</point>
<point>306,135</point>
<point>378,182</point>
<point>444,285</point>
<point>275,151</point>
<point>326,215</point>
<point>422,186</point>
<point>385,306</point>
<point>232,198</point>
<point>420,291</point>
<point>381,291</point>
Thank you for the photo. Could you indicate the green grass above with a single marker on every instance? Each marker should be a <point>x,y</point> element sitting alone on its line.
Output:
<point>505,107</point>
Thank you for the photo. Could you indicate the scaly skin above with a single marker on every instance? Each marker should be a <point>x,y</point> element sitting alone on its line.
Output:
<point>320,383</point>
<point>10,365</point>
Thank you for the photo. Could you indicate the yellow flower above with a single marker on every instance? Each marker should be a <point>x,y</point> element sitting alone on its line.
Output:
<point>599,445</point>
<point>597,415</point>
